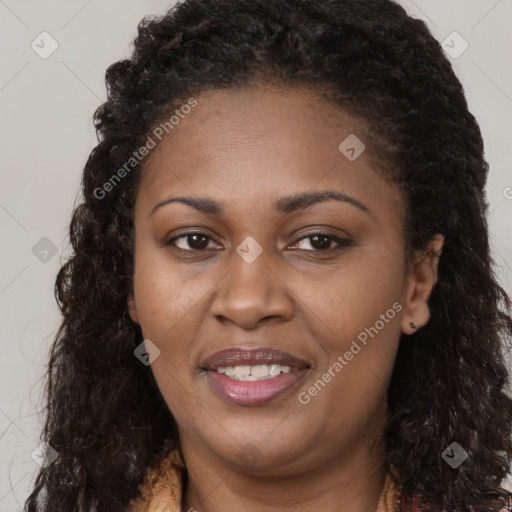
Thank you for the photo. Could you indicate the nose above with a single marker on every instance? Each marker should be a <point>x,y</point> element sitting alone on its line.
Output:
<point>252,293</point>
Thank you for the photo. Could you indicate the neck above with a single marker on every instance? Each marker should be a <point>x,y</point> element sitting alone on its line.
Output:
<point>349,481</point>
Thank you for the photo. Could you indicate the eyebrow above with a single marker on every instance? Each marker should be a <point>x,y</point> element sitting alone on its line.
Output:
<point>284,205</point>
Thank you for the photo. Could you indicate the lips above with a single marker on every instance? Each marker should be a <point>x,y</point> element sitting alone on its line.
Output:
<point>283,372</point>
<point>252,357</point>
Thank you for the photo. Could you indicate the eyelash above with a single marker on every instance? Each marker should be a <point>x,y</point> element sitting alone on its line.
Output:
<point>342,242</point>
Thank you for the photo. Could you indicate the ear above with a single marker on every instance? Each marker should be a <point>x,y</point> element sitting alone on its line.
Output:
<point>132,309</point>
<point>420,283</point>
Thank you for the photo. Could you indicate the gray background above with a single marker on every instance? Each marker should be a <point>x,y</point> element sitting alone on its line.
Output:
<point>47,133</point>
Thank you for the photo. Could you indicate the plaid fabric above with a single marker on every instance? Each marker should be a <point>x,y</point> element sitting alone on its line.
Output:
<point>495,501</point>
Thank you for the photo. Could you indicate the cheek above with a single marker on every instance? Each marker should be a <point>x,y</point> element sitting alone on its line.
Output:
<point>171,308</point>
<point>356,312</point>
<point>162,296</point>
<point>355,294</point>
<point>177,390</point>
<point>169,313</point>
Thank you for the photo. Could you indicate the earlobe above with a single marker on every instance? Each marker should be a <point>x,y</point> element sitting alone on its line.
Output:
<point>421,282</point>
<point>132,309</point>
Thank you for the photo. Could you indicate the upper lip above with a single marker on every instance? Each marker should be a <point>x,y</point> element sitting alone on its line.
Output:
<point>251,357</point>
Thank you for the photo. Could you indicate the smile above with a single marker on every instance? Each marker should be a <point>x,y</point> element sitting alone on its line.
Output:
<point>247,389</point>
<point>253,373</point>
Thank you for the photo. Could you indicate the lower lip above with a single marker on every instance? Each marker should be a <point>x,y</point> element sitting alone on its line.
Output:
<point>256,392</point>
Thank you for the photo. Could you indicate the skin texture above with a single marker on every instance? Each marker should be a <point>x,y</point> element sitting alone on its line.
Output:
<point>246,150</point>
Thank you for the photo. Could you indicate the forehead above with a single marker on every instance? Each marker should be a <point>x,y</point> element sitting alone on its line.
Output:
<point>263,141</point>
<point>255,119</point>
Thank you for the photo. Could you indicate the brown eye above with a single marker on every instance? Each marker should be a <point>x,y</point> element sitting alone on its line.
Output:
<point>318,242</point>
<point>194,241</point>
<point>322,242</point>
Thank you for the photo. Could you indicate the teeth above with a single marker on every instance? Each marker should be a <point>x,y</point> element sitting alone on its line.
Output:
<point>262,370</point>
<point>256,372</point>
<point>242,371</point>
<point>275,369</point>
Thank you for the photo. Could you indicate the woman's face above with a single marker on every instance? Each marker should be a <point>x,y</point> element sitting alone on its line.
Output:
<point>257,278</point>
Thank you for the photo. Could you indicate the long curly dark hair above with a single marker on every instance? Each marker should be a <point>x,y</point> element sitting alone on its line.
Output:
<point>105,416</point>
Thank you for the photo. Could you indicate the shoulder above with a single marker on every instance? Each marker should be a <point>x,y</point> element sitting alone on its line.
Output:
<point>499,500</point>
<point>161,488</point>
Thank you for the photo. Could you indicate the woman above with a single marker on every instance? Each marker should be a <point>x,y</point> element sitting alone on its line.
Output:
<point>281,294</point>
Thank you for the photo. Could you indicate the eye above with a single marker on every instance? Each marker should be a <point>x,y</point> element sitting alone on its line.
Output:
<point>321,242</point>
<point>318,242</point>
<point>196,241</point>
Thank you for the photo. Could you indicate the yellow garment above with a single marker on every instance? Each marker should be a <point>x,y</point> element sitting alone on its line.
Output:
<point>162,488</point>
